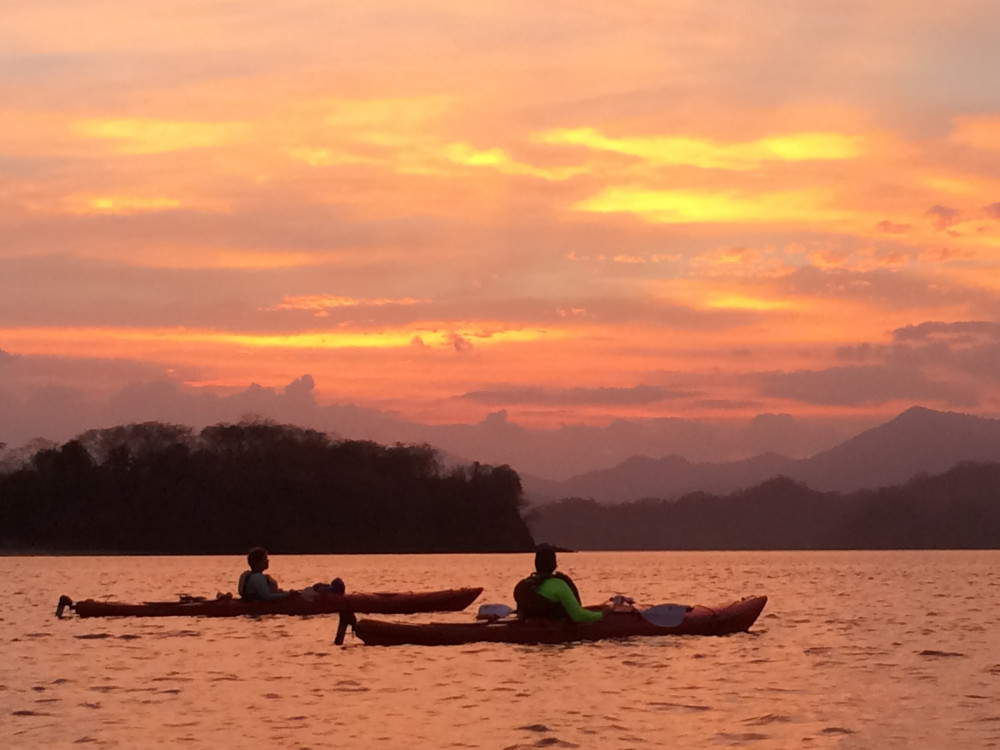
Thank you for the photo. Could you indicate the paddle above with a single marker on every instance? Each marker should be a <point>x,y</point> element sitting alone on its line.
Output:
<point>493,612</point>
<point>661,615</point>
<point>665,615</point>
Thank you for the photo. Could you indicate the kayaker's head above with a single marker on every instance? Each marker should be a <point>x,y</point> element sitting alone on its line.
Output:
<point>545,559</point>
<point>257,558</point>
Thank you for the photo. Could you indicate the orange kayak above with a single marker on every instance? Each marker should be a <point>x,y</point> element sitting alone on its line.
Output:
<point>697,620</point>
<point>396,603</point>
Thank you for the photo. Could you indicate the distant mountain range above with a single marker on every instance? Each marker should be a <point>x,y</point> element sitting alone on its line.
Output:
<point>959,509</point>
<point>918,441</point>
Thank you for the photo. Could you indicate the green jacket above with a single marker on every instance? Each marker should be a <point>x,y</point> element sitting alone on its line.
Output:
<point>552,596</point>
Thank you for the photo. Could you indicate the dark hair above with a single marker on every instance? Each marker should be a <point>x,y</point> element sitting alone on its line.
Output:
<point>545,559</point>
<point>256,556</point>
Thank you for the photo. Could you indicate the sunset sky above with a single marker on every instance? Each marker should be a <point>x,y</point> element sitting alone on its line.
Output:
<point>575,212</point>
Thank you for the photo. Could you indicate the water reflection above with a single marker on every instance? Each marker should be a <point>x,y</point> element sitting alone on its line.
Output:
<point>855,650</point>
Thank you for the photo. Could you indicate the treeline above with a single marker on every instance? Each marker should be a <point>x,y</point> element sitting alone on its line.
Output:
<point>959,509</point>
<point>162,488</point>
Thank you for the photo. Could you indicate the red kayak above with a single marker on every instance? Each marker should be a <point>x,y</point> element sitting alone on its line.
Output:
<point>698,620</point>
<point>449,600</point>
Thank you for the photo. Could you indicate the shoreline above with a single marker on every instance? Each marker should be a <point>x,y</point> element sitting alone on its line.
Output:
<point>14,551</point>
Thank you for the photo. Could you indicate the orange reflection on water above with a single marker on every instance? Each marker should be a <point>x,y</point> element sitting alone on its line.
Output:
<point>914,667</point>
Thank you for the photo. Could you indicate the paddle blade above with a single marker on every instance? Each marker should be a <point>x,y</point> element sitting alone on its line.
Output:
<point>665,615</point>
<point>493,611</point>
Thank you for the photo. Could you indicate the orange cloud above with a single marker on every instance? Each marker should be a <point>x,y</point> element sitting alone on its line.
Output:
<point>385,121</point>
<point>982,132</point>
<point>327,157</point>
<point>124,205</point>
<point>327,301</point>
<point>462,153</point>
<point>740,262</point>
<point>399,134</point>
<point>860,260</point>
<point>744,302</point>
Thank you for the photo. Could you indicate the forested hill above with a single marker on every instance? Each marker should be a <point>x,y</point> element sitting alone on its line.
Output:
<point>159,488</point>
<point>959,509</point>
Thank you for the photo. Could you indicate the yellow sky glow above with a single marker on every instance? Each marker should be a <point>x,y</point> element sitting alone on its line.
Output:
<point>700,152</point>
<point>125,204</point>
<point>326,301</point>
<point>94,341</point>
<point>462,153</point>
<point>138,136</point>
<point>810,206</point>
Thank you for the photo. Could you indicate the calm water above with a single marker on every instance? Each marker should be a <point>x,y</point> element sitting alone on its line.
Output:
<point>854,650</point>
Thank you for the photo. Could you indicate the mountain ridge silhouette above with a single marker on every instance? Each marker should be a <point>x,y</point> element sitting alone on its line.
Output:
<point>917,441</point>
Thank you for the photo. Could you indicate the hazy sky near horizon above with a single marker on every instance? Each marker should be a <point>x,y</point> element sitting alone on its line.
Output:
<point>570,211</point>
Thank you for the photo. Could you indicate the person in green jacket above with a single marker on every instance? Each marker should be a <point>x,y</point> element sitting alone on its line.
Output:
<point>547,593</point>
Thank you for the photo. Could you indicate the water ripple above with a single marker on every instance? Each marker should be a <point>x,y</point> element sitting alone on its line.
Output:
<point>740,738</point>
<point>681,706</point>
<point>767,719</point>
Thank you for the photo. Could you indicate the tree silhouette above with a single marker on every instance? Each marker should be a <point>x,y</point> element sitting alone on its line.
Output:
<point>160,488</point>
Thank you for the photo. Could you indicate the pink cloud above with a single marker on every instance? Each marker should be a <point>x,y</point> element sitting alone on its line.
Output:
<point>943,217</point>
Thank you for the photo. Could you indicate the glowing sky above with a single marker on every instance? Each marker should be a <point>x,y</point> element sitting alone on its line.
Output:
<point>572,211</point>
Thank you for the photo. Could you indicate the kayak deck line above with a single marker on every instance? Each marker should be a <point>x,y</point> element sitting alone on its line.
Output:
<point>736,617</point>
<point>226,605</point>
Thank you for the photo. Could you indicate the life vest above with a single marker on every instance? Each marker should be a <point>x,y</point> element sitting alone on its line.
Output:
<point>532,604</point>
<point>243,586</point>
